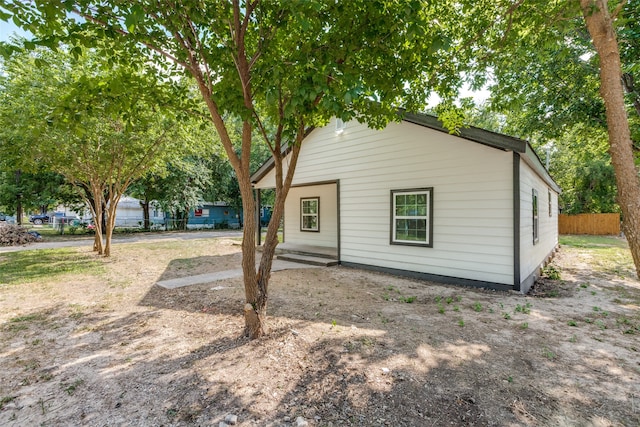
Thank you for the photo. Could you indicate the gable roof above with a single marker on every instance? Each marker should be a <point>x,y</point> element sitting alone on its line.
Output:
<point>477,135</point>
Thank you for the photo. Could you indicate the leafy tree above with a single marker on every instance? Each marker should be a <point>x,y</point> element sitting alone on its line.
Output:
<point>36,192</point>
<point>581,165</point>
<point>561,64</point>
<point>601,25</point>
<point>25,97</point>
<point>183,187</point>
<point>181,181</point>
<point>628,36</point>
<point>101,125</point>
<point>578,158</point>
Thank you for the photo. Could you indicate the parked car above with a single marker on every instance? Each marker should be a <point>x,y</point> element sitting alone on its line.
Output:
<point>8,219</point>
<point>39,219</point>
<point>3,216</point>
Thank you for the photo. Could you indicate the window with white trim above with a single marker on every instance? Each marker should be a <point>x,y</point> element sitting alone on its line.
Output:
<point>310,214</point>
<point>412,217</point>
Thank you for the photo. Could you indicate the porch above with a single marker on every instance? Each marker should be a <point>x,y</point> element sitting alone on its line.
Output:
<point>307,254</point>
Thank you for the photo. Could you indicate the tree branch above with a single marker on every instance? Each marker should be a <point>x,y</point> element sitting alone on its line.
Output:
<point>617,10</point>
<point>262,129</point>
<point>510,12</point>
<point>126,33</point>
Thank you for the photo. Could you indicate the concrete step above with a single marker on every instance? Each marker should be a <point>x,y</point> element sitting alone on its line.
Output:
<point>308,259</point>
<point>307,250</point>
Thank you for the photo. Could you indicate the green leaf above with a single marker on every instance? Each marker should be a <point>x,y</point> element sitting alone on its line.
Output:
<point>134,18</point>
<point>41,63</point>
<point>76,52</point>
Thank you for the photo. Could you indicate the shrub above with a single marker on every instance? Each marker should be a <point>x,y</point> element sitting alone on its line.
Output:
<point>551,272</point>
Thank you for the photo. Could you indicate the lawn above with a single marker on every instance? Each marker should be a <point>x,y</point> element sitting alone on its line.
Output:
<point>93,341</point>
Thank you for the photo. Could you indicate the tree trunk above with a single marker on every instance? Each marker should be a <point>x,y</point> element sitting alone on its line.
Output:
<point>255,282</point>
<point>97,238</point>
<point>184,220</point>
<point>145,214</point>
<point>255,308</point>
<point>111,222</point>
<point>601,29</point>
<point>19,212</point>
<point>98,216</point>
<point>255,313</point>
<point>18,198</point>
<point>91,202</point>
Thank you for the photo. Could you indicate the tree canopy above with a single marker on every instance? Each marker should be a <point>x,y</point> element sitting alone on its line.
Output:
<point>99,125</point>
<point>566,63</point>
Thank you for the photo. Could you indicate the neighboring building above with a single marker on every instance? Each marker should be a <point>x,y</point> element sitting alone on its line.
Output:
<point>265,215</point>
<point>477,209</point>
<point>205,215</point>
<point>214,215</point>
<point>129,214</point>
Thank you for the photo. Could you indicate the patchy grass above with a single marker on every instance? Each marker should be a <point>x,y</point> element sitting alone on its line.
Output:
<point>4,400</point>
<point>609,254</point>
<point>593,242</point>
<point>28,266</point>
<point>51,234</point>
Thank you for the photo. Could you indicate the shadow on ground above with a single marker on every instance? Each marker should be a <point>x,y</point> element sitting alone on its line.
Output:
<point>344,348</point>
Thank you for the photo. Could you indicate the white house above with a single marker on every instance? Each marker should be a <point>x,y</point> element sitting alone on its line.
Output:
<point>477,208</point>
<point>129,213</point>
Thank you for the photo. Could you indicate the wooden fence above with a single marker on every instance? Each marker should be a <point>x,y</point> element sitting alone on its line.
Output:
<point>595,224</point>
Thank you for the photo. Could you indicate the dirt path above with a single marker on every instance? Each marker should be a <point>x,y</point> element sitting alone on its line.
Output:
<point>346,347</point>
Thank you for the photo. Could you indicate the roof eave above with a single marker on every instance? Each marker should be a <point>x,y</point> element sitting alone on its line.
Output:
<point>482,136</point>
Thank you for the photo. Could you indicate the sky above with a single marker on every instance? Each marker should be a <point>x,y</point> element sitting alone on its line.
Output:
<point>7,29</point>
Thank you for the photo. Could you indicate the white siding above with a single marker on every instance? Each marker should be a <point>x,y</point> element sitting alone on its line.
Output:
<point>533,255</point>
<point>328,218</point>
<point>472,197</point>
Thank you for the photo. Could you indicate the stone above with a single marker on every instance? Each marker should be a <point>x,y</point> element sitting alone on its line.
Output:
<point>301,422</point>
<point>231,419</point>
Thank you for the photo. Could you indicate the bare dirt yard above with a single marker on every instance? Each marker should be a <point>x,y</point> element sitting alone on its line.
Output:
<point>95,342</point>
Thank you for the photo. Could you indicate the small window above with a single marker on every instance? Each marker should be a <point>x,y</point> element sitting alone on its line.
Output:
<point>412,217</point>
<point>534,197</point>
<point>310,214</point>
<point>550,204</point>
